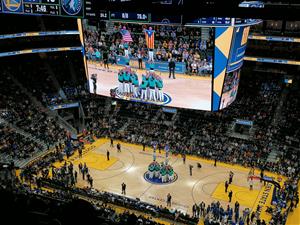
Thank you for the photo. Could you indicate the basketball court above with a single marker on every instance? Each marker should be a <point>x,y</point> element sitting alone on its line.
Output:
<point>206,183</point>
<point>185,91</point>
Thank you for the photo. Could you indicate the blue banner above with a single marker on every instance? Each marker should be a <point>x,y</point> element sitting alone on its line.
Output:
<point>244,122</point>
<point>270,60</point>
<point>64,106</point>
<point>274,38</point>
<point>28,51</point>
<point>169,110</point>
<point>43,33</point>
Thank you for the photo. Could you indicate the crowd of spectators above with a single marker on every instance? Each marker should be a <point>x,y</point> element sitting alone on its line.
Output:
<point>18,109</point>
<point>15,145</point>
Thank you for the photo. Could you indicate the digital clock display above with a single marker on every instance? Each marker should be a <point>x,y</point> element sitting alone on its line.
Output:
<point>41,9</point>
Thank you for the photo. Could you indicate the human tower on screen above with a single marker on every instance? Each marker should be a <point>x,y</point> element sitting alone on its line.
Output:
<point>148,89</point>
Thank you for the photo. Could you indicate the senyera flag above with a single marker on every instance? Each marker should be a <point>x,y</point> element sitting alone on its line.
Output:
<point>149,35</point>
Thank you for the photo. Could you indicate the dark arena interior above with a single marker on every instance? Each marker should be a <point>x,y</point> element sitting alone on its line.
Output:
<point>149,112</point>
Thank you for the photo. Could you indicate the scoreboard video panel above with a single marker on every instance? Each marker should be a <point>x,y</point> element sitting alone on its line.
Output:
<point>73,8</point>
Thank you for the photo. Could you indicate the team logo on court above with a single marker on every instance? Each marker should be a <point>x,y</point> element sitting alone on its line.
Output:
<point>158,180</point>
<point>12,5</point>
<point>166,98</point>
<point>72,7</point>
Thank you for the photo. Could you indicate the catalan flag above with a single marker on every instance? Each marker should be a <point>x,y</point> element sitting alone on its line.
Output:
<point>149,35</point>
<point>126,35</point>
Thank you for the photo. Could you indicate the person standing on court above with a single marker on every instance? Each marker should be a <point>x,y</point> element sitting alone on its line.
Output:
<point>236,207</point>
<point>194,210</point>
<point>183,158</point>
<point>191,170</point>
<point>197,211</point>
<point>80,167</point>
<point>202,208</point>
<point>105,59</point>
<point>230,177</point>
<point>226,186</point>
<point>215,162</point>
<point>172,68</point>
<point>140,59</point>
<point>169,200</point>
<point>123,188</point>
<point>230,195</point>
<point>111,142</point>
<point>251,184</point>
<point>119,147</point>
<point>107,155</point>
<point>144,145</point>
<point>261,175</point>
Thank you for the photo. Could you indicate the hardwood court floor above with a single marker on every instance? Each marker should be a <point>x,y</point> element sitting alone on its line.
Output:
<point>206,184</point>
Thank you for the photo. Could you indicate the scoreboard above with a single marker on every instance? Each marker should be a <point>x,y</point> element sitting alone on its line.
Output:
<point>73,8</point>
<point>213,20</point>
<point>127,16</point>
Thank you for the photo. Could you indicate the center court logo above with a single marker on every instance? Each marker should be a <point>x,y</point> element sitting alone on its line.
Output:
<point>71,7</point>
<point>166,98</point>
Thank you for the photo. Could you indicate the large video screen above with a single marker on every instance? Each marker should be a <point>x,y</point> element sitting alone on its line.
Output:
<point>230,88</point>
<point>159,64</point>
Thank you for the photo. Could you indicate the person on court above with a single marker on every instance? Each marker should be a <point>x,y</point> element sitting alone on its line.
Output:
<point>152,83</point>
<point>123,188</point>
<point>230,177</point>
<point>172,68</point>
<point>111,142</point>
<point>94,79</point>
<point>230,195</point>
<point>191,170</point>
<point>144,145</point>
<point>119,147</point>
<point>140,59</point>
<point>135,85</point>
<point>159,86</point>
<point>169,200</point>
<point>251,184</point>
<point>261,175</point>
<point>107,155</point>
<point>183,158</point>
<point>226,186</point>
<point>143,88</point>
<point>121,82</point>
<point>105,59</point>
<point>126,78</point>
